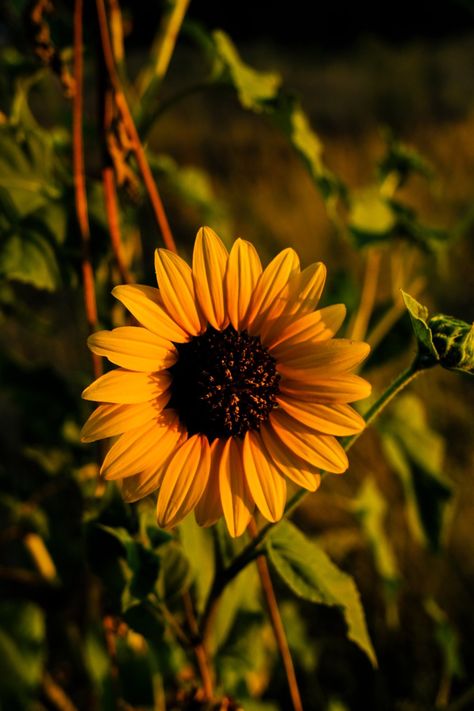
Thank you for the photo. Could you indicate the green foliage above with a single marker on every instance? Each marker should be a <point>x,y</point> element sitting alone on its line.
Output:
<point>108,629</point>
<point>308,571</point>
<point>22,652</point>
<point>33,215</point>
<point>370,508</point>
<point>416,453</point>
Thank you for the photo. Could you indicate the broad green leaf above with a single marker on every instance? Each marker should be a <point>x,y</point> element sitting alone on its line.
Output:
<point>428,355</point>
<point>416,453</point>
<point>308,571</point>
<point>27,168</point>
<point>29,258</point>
<point>370,508</point>
<point>254,88</point>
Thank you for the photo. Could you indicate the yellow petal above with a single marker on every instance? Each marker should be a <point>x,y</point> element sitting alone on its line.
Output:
<point>324,358</point>
<point>243,271</point>
<point>126,387</point>
<point>267,486</point>
<point>209,267</point>
<point>337,419</point>
<point>209,507</point>
<point>319,450</point>
<point>184,482</point>
<point>138,486</point>
<point>112,420</point>
<point>134,348</point>
<point>313,327</point>
<point>336,388</point>
<point>237,502</point>
<point>305,289</point>
<point>175,281</point>
<point>269,287</point>
<point>288,463</point>
<point>143,447</point>
<point>143,302</point>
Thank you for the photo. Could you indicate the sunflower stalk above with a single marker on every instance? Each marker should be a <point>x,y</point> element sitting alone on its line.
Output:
<point>254,549</point>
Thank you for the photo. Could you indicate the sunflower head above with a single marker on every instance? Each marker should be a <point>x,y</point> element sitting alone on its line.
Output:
<point>231,385</point>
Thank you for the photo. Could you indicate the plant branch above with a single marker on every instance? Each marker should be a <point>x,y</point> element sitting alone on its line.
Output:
<point>80,194</point>
<point>277,624</point>
<point>111,209</point>
<point>253,549</point>
<point>129,124</point>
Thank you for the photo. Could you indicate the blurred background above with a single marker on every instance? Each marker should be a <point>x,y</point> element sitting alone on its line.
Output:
<point>377,182</point>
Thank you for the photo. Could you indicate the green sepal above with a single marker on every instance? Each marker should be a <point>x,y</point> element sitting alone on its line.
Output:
<point>427,353</point>
<point>454,342</point>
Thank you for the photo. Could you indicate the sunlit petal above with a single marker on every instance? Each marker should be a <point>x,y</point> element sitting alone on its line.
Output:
<point>209,268</point>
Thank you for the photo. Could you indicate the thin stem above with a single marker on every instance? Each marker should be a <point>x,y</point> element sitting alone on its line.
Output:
<point>277,624</point>
<point>111,208</point>
<point>129,124</point>
<point>163,47</point>
<point>252,550</point>
<point>80,183</point>
<point>199,648</point>
<point>367,299</point>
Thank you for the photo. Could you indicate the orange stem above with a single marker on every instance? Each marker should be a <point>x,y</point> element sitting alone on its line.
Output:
<point>80,183</point>
<point>129,124</point>
<point>111,208</point>
<point>277,624</point>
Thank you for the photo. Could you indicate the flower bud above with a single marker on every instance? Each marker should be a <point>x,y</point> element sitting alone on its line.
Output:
<point>454,342</point>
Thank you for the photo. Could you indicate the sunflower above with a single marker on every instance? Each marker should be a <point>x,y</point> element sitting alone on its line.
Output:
<point>231,385</point>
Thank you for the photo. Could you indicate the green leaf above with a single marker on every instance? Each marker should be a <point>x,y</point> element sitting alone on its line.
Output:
<point>288,115</point>
<point>416,453</point>
<point>260,92</point>
<point>143,562</point>
<point>308,571</point>
<point>370,508</point>
<point>29,258</point>
<point>254,88</point>
<point>403,160</point>
<point>427,353</point>
<point>198,547</point>
<point>447,639</point>
<point>371,218</point>
<point>175,574</point>
<point>22,651</point>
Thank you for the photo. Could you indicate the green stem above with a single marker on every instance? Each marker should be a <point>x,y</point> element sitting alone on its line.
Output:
<point>253,549</point>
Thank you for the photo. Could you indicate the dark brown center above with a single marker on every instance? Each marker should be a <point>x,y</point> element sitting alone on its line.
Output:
<point>224,383</point>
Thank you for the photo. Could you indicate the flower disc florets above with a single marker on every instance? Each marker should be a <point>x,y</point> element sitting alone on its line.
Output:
<point>224,383</point>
